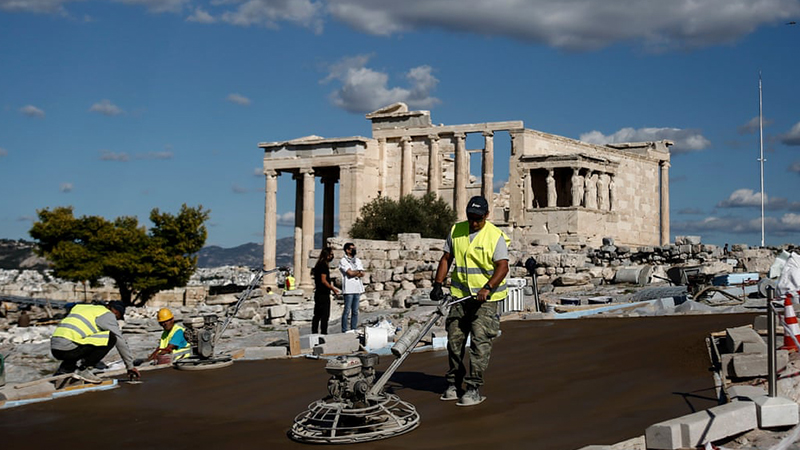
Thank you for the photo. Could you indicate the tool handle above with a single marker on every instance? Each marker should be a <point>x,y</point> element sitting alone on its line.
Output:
<point>448,301</point>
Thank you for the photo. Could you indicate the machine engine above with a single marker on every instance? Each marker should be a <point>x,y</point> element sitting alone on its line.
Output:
<point>351,377</point>
<point>199,331</point>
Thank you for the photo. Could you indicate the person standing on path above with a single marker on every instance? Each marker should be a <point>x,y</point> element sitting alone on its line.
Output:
<point>352,287</point>
<point>480,252</point>
<point>322,291</point>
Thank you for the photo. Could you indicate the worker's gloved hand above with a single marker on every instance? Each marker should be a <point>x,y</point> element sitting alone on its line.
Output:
<point>436,292</point>
<point>138,362</point>
<point>133,374</point>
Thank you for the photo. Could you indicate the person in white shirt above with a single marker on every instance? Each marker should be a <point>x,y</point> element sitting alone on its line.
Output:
<point>352,287</point>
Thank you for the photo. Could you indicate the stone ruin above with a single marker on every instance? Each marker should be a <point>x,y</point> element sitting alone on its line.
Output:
<point>559,190</point>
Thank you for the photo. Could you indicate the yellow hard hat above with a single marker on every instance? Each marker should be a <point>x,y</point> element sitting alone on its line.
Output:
<point>164,314</point>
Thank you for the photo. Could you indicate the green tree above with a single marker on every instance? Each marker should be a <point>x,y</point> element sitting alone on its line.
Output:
<point>141,262</point>
<point>384,218</point>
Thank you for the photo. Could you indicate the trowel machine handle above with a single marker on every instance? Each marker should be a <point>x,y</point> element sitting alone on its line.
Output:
<point>449,301</point>
<point>409,340</point>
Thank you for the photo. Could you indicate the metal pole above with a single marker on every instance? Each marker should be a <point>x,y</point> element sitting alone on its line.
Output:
<point>761,159</point>
<point>771,355</point>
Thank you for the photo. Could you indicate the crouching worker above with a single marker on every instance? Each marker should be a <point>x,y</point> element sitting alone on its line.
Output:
<point>86,335</point>
<point>173,345</point>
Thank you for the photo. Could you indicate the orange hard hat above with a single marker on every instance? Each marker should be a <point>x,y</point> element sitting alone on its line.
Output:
<point>164,314</point>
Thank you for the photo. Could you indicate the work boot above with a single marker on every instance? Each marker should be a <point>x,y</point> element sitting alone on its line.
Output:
<point>451,393</point>
<point>88,376</point>
<point>471,398</point>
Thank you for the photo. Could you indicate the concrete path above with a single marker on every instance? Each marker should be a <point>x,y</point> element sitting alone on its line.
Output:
<point>551,385</point>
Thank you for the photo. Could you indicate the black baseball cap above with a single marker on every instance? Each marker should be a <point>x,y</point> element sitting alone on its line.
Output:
<point>478,205</point>
<point>119,306</point>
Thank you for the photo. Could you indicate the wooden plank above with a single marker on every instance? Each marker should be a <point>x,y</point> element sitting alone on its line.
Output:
<point>294,341</point>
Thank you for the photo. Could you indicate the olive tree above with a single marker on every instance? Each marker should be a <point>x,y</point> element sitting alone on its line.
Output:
<point>142,262</point>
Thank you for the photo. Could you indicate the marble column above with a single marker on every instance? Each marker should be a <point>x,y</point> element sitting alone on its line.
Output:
<point>461,173</point>
<point>304,279</point>
<point>487,172</point>
<point>297,260</point>
<point>382,165</point>
<point>407,174</point>
<point>270,226</point>
<point>527,194</point>
<point>434,167</point>
<point>665,165</point>
<point>329,183</point>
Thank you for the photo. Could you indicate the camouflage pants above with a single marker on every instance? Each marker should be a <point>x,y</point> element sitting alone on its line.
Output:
<point>482,321</point>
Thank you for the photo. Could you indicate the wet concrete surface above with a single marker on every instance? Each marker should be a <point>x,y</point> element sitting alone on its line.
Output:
<point>550,385</point>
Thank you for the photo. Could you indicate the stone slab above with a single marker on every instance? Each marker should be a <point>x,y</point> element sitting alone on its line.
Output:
<point>698,428</point>
<point>736,337</point>
<point>746,365</point>
<point>261,353</point>
<point>776,412</point>
<point>337,344</point>
<point>745,393</point>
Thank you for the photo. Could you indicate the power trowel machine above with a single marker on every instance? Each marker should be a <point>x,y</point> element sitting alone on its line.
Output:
<point>204,332</point>
<point>357,408</point>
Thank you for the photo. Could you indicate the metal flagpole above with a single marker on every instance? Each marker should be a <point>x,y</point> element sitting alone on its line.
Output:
<point>761,159</point>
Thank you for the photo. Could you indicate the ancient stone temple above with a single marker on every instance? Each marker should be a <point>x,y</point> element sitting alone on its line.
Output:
<point>559,190</point>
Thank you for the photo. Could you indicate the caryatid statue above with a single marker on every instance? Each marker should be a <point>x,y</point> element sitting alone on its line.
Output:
<point>577,187</point>
<point>602,192</point>
<point>551,190</point>
<point>590,191</point>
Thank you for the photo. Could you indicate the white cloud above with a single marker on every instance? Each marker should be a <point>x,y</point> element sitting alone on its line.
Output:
<point>258,172</point>
<point>3,152</point>
<point>155,155</point>
<point>742,198</point>
<point>65,187</point>
<point>106,108</point>
<point>685,141</point>
<point>286,219</point>
<point>237,189</point>
<point>747,198</point>
<point>35,6</point>
<point>269,13</point>
<point>574,25</point>
<point>238,99</point>
<point>752,126</point>
<point>32,111</point>
<point>364,89</point>
<point>201,16</point>
<point>158,6</point>
<point>792,137</point>
<point>795,167</point>
<point>780,226</point>
<point>107,155</point>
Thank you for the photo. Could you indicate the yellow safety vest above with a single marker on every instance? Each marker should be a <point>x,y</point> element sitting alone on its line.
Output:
<point>81,328</point>
<point>474,264</point>
<point>177,353</point>
<point>290,283</point>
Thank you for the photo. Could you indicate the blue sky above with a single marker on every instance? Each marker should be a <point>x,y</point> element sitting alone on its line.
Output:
<point>116,107</point>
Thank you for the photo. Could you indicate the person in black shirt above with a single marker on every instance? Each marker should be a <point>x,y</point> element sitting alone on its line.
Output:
<point>322,291</point>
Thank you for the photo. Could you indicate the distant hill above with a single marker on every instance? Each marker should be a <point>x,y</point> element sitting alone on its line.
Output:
<point>19,255</point>
<point>15,255</point>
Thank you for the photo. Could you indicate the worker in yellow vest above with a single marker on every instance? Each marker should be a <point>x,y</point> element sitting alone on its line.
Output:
<point>173,345</point>
<point>480,252</point>
<point>291,283</point>
<point>86,335</point>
